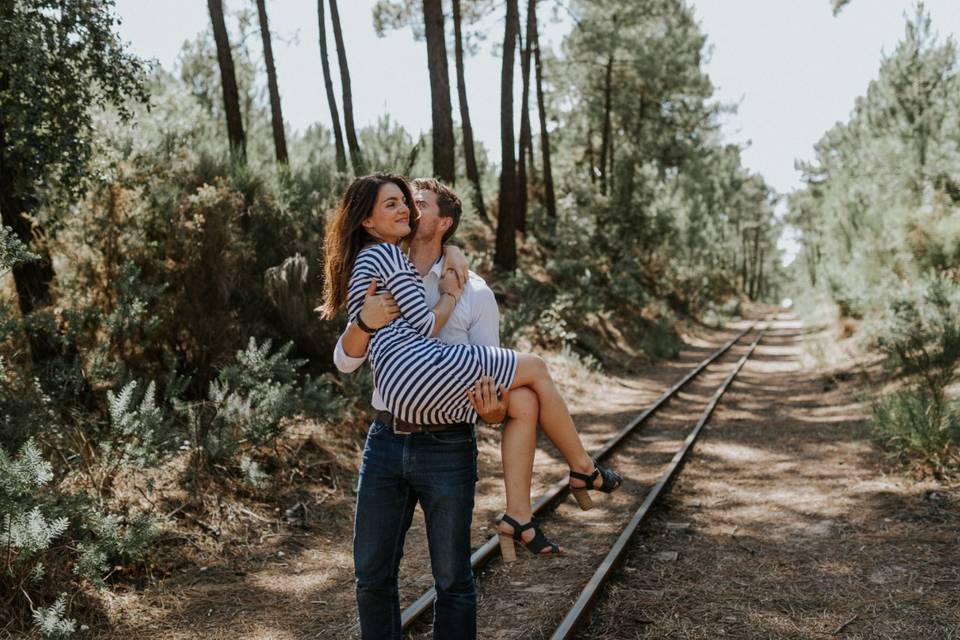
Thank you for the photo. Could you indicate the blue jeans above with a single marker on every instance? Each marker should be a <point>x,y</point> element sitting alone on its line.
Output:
<point>439,470</point>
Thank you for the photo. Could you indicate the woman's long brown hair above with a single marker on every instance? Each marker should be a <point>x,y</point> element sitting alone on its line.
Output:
<point>346,236</point>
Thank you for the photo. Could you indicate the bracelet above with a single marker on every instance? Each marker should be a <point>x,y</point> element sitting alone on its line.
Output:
<point>447,293</point>
<point>364,326</point>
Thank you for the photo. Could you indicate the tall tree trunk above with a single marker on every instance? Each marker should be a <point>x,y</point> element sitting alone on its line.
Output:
<point>531,41</point>
<point>276,115</point>
<point>605,139</point>
<point>757,264</point>
<point>356,159</point>
<point>525,137</point>
<point>743,262</point>
<point>531,160</point>
<point>611,174</point>
<point>32,280</point>
<point>591,159</point>
<point>228,79</point>
<point>444,163</point>
<point>549,195</point>
<point>505,257</point>
<point>811,261</point>
<point>761,286</point>
<point>331,97</point>
<point>469,153</point>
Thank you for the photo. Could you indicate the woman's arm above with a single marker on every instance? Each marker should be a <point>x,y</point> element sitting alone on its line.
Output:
<point>388,264</point>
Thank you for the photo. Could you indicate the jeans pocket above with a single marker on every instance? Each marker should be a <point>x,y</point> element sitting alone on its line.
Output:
<point>375,428</point>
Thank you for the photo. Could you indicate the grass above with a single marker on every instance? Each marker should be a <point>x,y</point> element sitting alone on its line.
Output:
<point>915,429</point>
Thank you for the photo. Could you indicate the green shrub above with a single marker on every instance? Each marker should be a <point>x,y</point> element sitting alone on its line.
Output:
<point>920,336</point>
<point>660,340</point>
<point>12,251</point>
<point>910,424</point>
<point>27,526</point>
<point>244,406</point>
<point>52,622</point>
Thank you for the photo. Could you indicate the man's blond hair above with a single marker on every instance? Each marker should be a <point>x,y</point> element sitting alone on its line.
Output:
<point>447,201</point>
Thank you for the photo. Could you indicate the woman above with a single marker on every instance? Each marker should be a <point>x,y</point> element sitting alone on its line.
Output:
<point>424,381</point>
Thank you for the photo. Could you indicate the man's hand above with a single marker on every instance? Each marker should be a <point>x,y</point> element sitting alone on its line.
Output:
<point>454,259</point>
<point>378,310</point>
<point>491,408</point>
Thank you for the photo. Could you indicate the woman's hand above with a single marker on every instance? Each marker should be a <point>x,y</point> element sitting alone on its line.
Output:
<point>454,259</point>
<point>450,283</point>
<point>378,310</point>
<point>491,408</point>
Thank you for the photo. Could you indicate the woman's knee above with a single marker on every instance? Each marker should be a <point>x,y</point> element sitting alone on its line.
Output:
<point>524,405</point>
<point>533,365</point>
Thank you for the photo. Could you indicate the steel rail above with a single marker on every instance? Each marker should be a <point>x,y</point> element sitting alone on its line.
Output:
<point>601,576</point>
<point>489,550</point>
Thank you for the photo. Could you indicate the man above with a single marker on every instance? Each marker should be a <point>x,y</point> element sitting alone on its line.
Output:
<point>436,468</point>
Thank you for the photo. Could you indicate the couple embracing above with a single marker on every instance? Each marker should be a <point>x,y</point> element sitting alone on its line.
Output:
<point>430,330</point>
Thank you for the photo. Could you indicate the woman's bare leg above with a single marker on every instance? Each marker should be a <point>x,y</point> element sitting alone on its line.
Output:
<point>555,418</point>
<point>518,446</point>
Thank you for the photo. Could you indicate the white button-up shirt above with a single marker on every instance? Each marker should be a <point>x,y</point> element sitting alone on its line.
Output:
<point>475,320</point>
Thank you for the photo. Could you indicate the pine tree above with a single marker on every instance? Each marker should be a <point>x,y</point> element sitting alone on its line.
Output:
<point>331,97</point>
<point>505,256</point>
<point>356,158</point>
<point>276,113</point>
<point>228,81</point>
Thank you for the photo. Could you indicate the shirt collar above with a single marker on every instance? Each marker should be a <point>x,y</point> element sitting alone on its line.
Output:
<point>437,268</point>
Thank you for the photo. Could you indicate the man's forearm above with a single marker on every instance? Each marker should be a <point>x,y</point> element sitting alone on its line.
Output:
<point>355,341</point>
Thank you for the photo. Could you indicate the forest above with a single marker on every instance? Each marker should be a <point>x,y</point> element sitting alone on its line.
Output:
<point>162,232</point>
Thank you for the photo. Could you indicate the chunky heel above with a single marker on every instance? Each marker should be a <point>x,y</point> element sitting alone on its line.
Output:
<point>536,545</point>
<point>506,549</point>
<point>610,482</point>
<point>582,496</point>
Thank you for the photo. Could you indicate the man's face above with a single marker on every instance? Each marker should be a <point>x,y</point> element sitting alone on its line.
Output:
<point>431,224</point>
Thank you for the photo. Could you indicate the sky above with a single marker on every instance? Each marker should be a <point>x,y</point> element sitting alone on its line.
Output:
<point>792,67</point>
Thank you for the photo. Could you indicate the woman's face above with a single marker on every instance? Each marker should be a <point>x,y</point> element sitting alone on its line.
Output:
<point>390,219</point>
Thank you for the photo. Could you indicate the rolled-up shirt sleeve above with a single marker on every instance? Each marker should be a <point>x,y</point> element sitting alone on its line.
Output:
<point>344,362</point>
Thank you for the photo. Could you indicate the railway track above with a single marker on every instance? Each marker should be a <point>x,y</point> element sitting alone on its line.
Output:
<point>580,610</point>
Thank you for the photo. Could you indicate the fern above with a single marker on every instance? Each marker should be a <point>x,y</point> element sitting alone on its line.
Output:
<point>31,532</point>
<point>12,250</point>
<point>52,621</point>
<point>26,472</point>
<point>251,472</point>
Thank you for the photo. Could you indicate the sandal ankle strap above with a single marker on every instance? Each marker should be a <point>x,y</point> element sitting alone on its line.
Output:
<point>537,543</point>
<point>588,478</point>
<point>518,528</point>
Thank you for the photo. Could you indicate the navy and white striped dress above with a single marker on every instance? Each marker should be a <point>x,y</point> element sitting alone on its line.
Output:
<point>421,379</point>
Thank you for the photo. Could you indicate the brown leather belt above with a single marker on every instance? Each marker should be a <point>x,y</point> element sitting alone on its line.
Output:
<point>404,427</point>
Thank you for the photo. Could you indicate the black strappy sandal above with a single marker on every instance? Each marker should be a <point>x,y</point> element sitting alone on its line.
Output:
<point>537,544</point>
<point>611,482</point>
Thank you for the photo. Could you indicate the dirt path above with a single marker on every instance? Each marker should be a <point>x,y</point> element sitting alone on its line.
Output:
<point>795,529</point>
<point>299,583</point>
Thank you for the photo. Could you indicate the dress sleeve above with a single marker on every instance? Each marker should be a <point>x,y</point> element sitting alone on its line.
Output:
<point>395,274</point>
